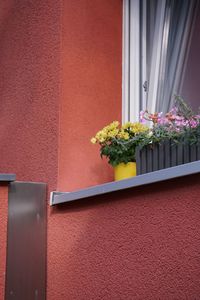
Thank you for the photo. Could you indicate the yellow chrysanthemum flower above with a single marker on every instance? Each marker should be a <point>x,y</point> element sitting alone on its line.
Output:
<point>102,135</point>
<point>93,140</point>
<point>102,139</point>
<point>123,135</point>
<point>113,133</point>
<point>115,124</point>
<point>111,126</point>
<point>138,128</point>
<point>126,136</point>
<point>127,125</point>
<point>99,134</point>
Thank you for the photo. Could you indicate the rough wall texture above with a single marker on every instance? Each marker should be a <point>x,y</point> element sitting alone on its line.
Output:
<point>91,87</point>
<point>137,244</point>
<point>29,88</point>
<point>3,235</point>
<point>29,93</point>
<point>91,98</point>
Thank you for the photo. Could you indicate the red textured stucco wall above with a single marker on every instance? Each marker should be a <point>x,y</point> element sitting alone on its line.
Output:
<point>60,81</point>
<point>29,88</point>
<point>91,87</point>
<point>137,244</point>
<point>91,62</point>
<point>30,94</point>
<point>3,235</point>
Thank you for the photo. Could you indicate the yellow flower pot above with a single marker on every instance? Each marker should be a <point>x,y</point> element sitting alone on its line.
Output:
<point>123,171</point>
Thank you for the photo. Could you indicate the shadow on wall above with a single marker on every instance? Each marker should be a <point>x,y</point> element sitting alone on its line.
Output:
<point>136,244</point>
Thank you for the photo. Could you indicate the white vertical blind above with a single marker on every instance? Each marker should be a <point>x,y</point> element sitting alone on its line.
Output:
<point>155,62</point>
<point>156,37</point>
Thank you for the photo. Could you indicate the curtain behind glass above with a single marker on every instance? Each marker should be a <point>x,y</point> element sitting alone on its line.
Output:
<point>169,25</point>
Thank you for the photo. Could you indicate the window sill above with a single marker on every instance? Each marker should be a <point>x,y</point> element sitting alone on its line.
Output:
<point>7,177</point>
<point>140,180</point>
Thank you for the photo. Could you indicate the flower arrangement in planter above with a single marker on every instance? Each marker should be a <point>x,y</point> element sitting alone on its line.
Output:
<point>173,139</point>
<point>118,144</point>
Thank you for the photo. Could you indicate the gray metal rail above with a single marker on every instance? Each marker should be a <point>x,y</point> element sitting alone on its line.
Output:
<point>7,177</point>
<point>144,179</point>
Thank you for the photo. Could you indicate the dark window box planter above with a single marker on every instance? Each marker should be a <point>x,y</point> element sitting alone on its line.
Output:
<point>165,155</point>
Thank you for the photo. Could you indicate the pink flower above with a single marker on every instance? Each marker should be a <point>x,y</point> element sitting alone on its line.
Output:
<point>179,118</point>
<point>142,117</point>
<point>178,129</point>
<point>193,123</point>
<point>180,123</point>
<point>174,110</point>
<point>163,121</point>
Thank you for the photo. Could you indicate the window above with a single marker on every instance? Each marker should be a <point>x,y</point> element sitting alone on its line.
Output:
<point>156,43</point>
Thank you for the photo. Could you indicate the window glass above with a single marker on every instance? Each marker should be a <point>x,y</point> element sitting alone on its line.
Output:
<point>158,37</point>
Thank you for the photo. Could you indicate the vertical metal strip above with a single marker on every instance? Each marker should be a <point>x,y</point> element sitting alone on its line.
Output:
<point>173,149</point>
<point>149,159</point>
<point>144,160</point>
<point>198,151</point>
<point>26,248</point>
<point>180,159</point>
<point>161,156</point>
<point>166,154</point>
<point>186,153</point>
<point>155,158</point>
<point>138,160</point>
<point>193,153</point>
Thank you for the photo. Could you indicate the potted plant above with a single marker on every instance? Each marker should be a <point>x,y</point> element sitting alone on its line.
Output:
<point>174,138</point>
<point>118,143</point>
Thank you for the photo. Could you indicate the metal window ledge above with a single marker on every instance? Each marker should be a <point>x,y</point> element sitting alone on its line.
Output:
<point>140,180</point>
<point>7,177</point>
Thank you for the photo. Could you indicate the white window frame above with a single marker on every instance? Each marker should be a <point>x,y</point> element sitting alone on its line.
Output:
<point>130,63</point>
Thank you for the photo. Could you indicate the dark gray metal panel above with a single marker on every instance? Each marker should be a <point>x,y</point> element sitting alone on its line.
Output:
<point>149,159</point>
<point>144,160</point>
<point>173,154</point>
<point>164,155</point>
<point>157,176</point>
<point>138,160</point>
<point>167,153</point>
<point>7,177</point>
<point>198,152</point>
<point>155,158</point>
<point>26,249</point>
<point>161,156</point>
<point>193,153</point>
<point>180,154</point>
<point>186,153</point>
